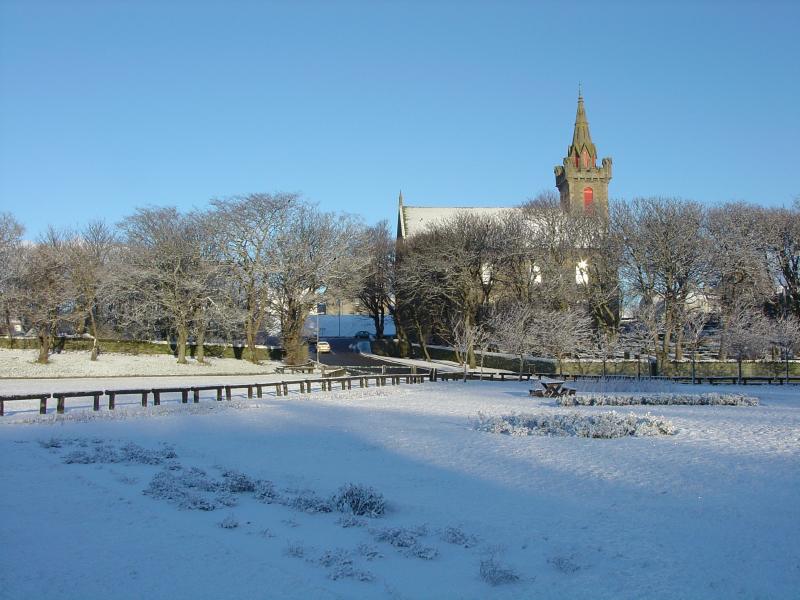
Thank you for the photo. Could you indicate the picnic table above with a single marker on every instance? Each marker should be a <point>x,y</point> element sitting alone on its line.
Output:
<point>551,388</point>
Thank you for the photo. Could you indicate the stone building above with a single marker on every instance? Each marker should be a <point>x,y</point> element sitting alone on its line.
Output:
<point>581,183</point>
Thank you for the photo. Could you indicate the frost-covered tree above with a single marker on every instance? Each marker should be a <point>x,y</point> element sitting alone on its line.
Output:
<point>375,291</point>
<point>10,254</point>
<point>248,229</point>
<point>46,298</point>
<point>88,255</point>
<point>315,254</point>
<point>166,279</point>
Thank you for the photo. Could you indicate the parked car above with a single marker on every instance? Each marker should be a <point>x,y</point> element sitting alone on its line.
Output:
<point>323,346</point>
<point>363,335</point>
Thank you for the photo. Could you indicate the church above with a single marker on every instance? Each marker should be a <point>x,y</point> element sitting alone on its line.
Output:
<point>582,185</point>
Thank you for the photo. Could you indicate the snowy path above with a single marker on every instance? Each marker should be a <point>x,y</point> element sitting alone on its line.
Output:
<point>711,512</point>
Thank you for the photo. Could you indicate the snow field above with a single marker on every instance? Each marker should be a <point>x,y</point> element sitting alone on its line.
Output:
<point>22,363</point>
<point>711,511</point>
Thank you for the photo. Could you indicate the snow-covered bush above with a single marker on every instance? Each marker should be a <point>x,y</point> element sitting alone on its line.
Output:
<point>602,425</point>
<point>406,540</point>
<point>349,521</point>
<point>295,550</point>
<point>455,536</point>
<point>714,399</point>
<point>369,552</point>
<point>340,566</point>
<point>264,491</point>
<point>229,522</point>
<point>236,482</point>
<point>166,486</point>
<point>565,564</point>
<point>359,500</point>
<point>129,453</point>
<point>308,502</point>
<point>494,573</point>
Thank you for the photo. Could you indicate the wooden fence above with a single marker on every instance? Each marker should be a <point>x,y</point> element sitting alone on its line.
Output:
<point>280,388</point>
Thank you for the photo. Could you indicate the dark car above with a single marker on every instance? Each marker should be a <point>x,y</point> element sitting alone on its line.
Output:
<point>363,335</point>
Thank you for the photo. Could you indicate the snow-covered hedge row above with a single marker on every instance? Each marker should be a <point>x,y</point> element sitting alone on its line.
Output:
<point>603,425</point>
<point>658,399</point>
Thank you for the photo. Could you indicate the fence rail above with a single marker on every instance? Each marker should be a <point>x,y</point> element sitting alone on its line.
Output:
<point>281,388</point>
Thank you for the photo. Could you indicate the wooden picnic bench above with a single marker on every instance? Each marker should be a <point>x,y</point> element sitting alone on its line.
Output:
<point>552,388</point>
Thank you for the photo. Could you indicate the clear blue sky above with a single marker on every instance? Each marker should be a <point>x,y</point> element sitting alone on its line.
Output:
<point>105,106</point>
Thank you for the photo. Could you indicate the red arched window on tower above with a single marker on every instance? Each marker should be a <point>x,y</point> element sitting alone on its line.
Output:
<point>588,197</point>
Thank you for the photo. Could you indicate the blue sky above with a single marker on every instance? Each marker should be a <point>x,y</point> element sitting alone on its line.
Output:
<point>105,106</point>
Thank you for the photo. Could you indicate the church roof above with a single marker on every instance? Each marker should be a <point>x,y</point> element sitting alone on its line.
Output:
<point>416,219</point>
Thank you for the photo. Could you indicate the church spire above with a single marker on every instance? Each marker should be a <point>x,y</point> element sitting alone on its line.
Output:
<point>582,139</point>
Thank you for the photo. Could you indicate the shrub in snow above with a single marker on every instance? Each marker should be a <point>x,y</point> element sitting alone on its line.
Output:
<point>494,573</point>
<point>713,399</point>
<point>310,503</point>
<point>369,552</point>
<point>454,535</point>
<point>166,486</point>
<point>359,500</point>
<point>129,453</point>
<point>350,521</point>
<point>295,550</point>
<point>237,483</point>
<point>565,564</point>
<point>228,522</point>
<point>264,491</point>
<point>340,566</point>
<point>407,541</point>
<point>51,443</point>
<point>602,425</point>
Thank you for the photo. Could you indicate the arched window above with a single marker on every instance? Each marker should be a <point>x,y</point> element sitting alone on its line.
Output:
<point>588,197</point>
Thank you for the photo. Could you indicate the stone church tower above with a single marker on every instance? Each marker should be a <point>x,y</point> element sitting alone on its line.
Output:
<point>583,185</point>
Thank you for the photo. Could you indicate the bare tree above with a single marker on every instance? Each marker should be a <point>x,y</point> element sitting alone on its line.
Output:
<point>665,257</point>
<point>248,229</point>
<point>315,254</point>
<point>512,326</point>
<point>747,333</point>
<point>88,255</point>
<point>784,334</point>
<point>694,323</point>
<point>451,268</point>
<point>561,333</point>
<point>464,338</point>
<point>167,276</point>
<point>781,233</point>
<point>10,250</point>
<point>375,292</point>
<point>47,297</point>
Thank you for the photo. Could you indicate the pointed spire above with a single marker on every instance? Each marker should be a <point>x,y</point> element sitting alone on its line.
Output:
<point>581,138</point>
<point>400,199</point>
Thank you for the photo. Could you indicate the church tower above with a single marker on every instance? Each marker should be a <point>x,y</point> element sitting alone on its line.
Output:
<point>582,184</point>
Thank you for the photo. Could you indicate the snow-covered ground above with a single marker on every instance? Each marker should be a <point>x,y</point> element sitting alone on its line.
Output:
<point>22,363</point>
<point>710,512</point>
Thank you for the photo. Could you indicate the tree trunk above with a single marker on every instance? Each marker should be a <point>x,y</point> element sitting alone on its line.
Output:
<point>739,361</point>
<point>296,351</point>
<point>679,344</point>
<point>183,336</point>
<point>200,354</point>
<point>694,370</point>
<point>9,330</point>
<point>93,331</point>
<point>250,332</point>
<point>44,347</point>
<point>521,360</point>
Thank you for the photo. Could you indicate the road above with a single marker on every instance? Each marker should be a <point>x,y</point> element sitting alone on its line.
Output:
<point>342,355</point>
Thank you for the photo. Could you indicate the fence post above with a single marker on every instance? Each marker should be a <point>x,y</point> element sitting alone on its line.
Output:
<point>156,398</point>
<point>227,392</point>
<point>110,400</point>
<point>184,396</point>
